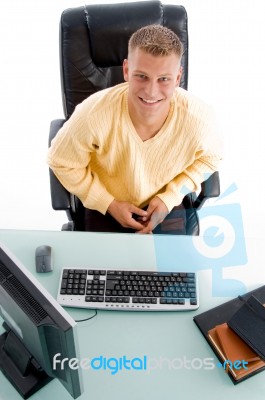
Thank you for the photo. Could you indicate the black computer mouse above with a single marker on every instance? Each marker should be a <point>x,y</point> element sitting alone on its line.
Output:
<point>43,259</point>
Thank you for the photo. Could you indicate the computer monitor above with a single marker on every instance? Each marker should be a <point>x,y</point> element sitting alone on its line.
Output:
<point>36,329</point>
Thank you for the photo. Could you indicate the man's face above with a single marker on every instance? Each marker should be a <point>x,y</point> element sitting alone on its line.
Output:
<point>152,81</point>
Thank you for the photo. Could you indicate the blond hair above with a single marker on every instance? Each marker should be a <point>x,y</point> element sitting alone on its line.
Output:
<point>156,40</point>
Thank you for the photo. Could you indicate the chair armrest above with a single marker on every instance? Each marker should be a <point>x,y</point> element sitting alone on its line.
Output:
<point>56,124</point>
<point>209,188</point>
<point>60,197</point>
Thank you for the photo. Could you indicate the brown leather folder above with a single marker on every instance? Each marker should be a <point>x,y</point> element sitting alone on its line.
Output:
<point>208,320</point>
<point>237,357</point>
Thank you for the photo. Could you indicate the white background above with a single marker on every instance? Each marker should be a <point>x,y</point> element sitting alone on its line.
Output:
<point>227,69</point>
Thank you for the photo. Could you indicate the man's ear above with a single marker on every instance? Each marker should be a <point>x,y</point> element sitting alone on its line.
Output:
<point>179,76</point>
<point>125,69</point>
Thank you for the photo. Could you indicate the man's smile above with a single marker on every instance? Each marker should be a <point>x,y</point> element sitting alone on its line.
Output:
<point>147,101</point>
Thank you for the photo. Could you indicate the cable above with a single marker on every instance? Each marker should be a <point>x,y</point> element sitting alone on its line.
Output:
<point>87,319</point>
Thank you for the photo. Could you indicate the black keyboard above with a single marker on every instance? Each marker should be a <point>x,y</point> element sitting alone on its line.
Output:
<point>128,290</point>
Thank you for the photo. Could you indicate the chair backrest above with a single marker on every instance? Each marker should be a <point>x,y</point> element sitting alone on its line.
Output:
<point>94,41</point>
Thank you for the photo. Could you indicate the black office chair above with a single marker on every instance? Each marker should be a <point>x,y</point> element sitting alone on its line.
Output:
<point>93,45</point>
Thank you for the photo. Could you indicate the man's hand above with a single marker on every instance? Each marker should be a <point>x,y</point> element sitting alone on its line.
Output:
<point>156,213</point>
<point>122,211</point>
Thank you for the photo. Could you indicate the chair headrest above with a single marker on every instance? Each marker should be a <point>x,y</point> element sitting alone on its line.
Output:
<point>109,41</point>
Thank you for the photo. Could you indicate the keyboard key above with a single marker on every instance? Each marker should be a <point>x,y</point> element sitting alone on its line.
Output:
<point>188,280</point>
<point>64,283</point>
<point>111,284</point>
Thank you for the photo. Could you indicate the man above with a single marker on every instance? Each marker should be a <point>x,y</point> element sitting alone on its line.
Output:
<point>130,153</point>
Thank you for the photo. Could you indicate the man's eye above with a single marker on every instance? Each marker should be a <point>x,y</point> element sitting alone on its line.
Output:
<point>141,76</point>
<point>164,79</point>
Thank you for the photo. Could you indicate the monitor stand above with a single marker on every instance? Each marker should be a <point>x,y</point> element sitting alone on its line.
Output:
<point>19,367</point>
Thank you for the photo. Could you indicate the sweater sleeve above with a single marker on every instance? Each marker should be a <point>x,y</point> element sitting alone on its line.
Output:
<point>188,181</point>
<point>69,158</point>
<point>207,156</point>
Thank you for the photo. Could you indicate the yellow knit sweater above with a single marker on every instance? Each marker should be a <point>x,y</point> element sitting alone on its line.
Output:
<point>98,155</point>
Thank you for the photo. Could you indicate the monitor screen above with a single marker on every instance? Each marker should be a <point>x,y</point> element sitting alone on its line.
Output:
<point>36,329</point>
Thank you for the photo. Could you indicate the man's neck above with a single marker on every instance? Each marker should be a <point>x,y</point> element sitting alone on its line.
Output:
<point>148,127</point>
<point>147,131</point>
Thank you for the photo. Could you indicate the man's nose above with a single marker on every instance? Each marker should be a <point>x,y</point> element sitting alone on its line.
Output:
<point>151,89</point>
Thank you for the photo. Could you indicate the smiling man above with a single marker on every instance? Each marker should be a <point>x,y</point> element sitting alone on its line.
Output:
<point>130,153</point>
